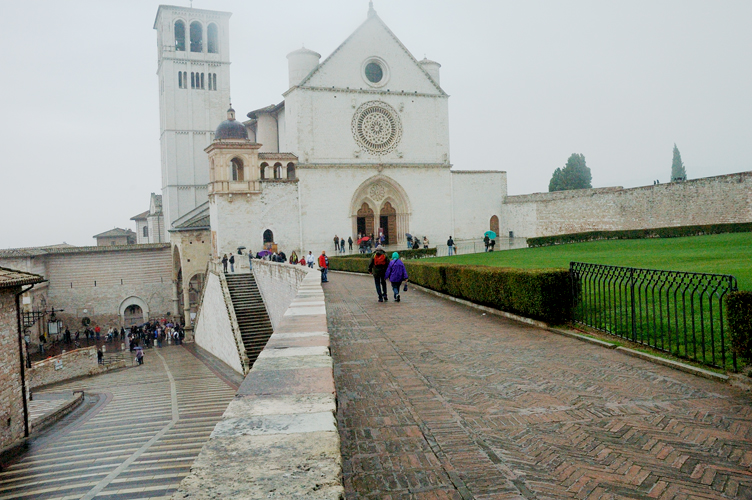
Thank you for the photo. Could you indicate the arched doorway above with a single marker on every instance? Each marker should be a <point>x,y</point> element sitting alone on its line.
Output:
<point>268,239</point>
<point>365,220</point>
<point>495,224</point>
<point>195,287</point>
<point>388,223</point>
<point>133,315</point>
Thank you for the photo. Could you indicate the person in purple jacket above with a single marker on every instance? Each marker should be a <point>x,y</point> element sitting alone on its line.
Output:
<point>396,274</point>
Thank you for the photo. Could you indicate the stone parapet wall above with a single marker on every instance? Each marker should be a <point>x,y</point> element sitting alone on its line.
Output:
<point>214,329</point>
<point>278,284</point>
<point>72,364</point>
<point>711,200</point>
<point>278,438</point>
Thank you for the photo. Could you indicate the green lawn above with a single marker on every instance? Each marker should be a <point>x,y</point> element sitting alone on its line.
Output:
<point>720,253</point>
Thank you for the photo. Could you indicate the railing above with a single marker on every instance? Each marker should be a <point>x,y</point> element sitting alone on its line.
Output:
<point>478,246</point>
<point>677,312</point>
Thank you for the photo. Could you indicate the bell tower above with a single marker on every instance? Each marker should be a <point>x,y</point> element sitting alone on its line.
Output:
<point>193,47</point>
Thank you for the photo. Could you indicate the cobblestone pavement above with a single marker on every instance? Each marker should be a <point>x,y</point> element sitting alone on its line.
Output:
<point>438,401</point>
<point>135,437</point>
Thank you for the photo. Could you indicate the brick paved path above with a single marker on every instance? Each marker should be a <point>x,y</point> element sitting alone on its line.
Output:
<point>438,401</point>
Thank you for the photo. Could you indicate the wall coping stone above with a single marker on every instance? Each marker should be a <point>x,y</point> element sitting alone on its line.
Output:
<point>282,418</point>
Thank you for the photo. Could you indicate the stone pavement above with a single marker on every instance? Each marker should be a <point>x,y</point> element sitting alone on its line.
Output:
<point>135,437</point>
<point>438,401</point>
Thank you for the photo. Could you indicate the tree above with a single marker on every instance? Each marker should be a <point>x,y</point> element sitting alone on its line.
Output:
<point>677,167</point>
<point>574,175</point>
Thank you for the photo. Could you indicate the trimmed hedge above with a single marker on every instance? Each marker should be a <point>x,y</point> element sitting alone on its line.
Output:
<point>538,294</point>
<point>739,314</point>
<point>636,234</point>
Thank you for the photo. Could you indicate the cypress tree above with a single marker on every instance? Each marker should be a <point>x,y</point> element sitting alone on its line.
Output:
<point>678,173</point>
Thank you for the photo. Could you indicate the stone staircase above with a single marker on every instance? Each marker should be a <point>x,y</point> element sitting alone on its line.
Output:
<point>250,312</point>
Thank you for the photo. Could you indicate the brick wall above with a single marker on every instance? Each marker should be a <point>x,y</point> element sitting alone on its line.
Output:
<point>710,200</point>
<point>278,284</point>
<point>77,363</point>
<point>11,391</point>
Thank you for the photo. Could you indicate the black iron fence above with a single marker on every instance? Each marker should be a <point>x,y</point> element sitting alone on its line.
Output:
<point>677,312</point>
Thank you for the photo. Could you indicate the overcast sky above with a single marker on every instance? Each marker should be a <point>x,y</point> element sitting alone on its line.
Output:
<point>530,83</point>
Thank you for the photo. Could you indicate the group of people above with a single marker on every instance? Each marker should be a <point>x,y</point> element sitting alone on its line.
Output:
<point>383,269</point>
<point>339,243</point>
<point>413,242</point>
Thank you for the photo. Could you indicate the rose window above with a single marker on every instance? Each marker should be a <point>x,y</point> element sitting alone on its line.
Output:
<point>376,127</point>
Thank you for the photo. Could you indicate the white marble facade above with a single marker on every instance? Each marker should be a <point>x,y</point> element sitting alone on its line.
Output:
<point>361,140</point>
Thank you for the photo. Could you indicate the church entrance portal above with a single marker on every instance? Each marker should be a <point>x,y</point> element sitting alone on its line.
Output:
<point>365,220</point>
<point>134,315</point>
<point>388,223</point>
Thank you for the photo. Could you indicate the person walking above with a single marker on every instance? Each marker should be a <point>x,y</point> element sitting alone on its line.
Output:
<point>139,355</point>
<point>232,263</point>
<point>342,245</point>
<point>486,241</point>
<point>100,356</point>
<point>224,263</point>
<point>425,242</point>
<point>310,259</point>
<point>377,268</point>
<point>336,243</point>
<point>349,243</point>
<point>450,246</point>
<point>250,260</point>
<point>396,274</point>
<point>324,266</point>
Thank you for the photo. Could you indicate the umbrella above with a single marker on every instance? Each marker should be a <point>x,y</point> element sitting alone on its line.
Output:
<point>363,239</point>
<point>409,236</point>
<point>264,253</point>
<point>490,234</point>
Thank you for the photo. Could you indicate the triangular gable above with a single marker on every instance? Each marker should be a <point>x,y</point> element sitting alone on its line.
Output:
<point>373,38</point>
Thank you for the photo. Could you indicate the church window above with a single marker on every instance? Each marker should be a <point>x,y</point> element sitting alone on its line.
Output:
<point>277,170</point>
<point>210,82</point>
<point>185,79</point>
<point>268,236</point>
<point>237,169</point>
<point>263,170</point>
<point>193,80</point>
<point>197,37</point>
<point>290,171</point>
<point>212,35</point>
<point>180,79</point>
<point>146,231</point>
<point>214,77</point>
<point>202,80</point>
<point>180,36</point>
<point>374,72</point>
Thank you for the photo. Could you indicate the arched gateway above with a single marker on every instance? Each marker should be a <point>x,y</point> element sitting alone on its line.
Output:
<point>380,203</point>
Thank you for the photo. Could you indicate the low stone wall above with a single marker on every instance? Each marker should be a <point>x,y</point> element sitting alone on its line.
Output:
<point>213,330</point>
<point>278,438</point>
<point>77,363</point>
<point>278,284</point>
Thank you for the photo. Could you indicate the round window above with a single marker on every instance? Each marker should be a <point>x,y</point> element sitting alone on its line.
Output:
<point>374,72</point>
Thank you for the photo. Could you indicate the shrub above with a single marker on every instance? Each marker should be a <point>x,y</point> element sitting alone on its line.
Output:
<point>739,314</point>
<point>538,294</point>
<point>404,254</point>
<point>636,234</point>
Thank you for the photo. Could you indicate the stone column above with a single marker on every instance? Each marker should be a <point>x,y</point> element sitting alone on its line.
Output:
<point>187,305</point>
<point>175,299</point>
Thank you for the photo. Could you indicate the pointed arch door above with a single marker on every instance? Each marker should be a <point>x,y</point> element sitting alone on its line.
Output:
<point>365,220</point>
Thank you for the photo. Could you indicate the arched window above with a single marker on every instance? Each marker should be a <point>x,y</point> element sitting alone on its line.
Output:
<point>277,170</point>
<point>180,36</point>
<point>185,79</point>
<point>193,80</point>
<point>202,80</point>
<point>494,224</point>
<point>146,231</point>
<point>180,79</point>
<point>237,169</point>
<point>290,171</point>
<point>210,85</point>
<point>197,37</point>
<point>268,236</point>
<point>263,170</point>
<point>212,38</point>
<point>214,77</point>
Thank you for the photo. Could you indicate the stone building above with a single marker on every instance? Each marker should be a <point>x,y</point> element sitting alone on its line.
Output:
<point>116,237</point>
<point>360,144</point>
<point>150,224</point>
<point>14,424</point>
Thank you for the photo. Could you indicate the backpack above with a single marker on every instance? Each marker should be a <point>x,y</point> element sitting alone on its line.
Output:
<point>379,259</point>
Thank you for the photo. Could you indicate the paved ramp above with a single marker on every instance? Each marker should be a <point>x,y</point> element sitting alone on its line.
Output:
<point>438,401</point>
<point>135,437</point>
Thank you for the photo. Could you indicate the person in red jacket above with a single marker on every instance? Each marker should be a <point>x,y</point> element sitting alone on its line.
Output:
<point>324,266</point>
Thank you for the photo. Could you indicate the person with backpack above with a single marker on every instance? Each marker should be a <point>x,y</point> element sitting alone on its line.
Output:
<point>396,274</point>
<point>377,268</point>
<point>323,266</point>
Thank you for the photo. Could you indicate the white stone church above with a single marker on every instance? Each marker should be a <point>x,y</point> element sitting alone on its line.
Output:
<point>360,144</point>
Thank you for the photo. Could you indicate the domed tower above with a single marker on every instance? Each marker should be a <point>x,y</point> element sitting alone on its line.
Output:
<point>233,160</point>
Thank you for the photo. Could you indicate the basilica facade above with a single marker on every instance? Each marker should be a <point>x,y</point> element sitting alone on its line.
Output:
<point>359,145</point>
